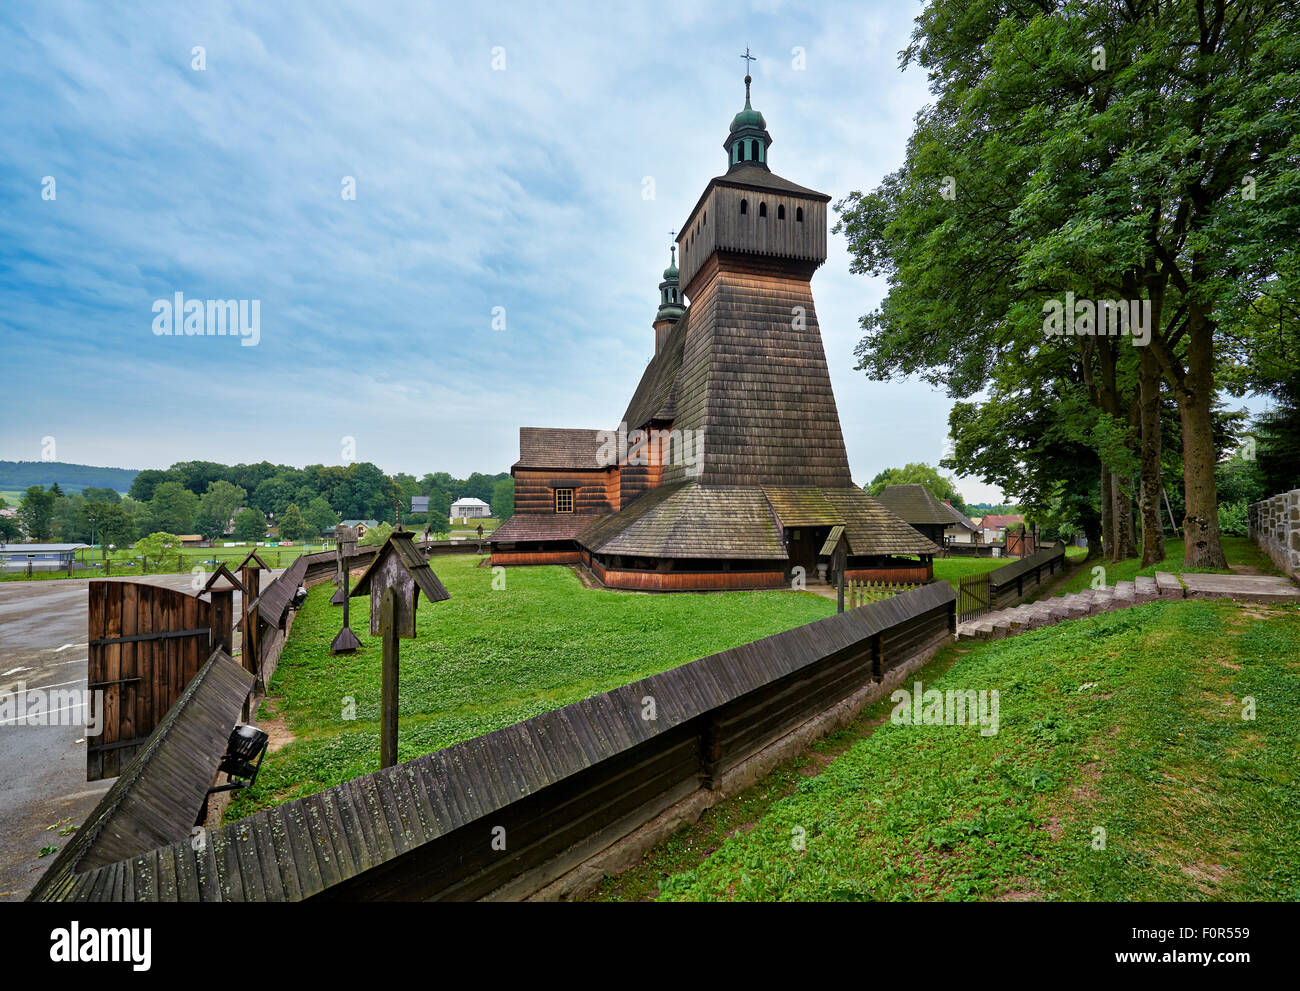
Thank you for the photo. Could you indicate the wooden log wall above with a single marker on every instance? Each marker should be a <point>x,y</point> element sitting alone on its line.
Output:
<point>595,495</point>
<point>507,813</point>
<point>686,581</point>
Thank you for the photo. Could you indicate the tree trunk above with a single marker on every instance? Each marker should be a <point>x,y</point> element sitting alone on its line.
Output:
<point>1122,519</point>
<point>1153,531</point>
<point>1107,517</point>
<point>1201,524</point>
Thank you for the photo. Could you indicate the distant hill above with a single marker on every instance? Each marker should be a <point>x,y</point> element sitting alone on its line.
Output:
<point>18,475</point>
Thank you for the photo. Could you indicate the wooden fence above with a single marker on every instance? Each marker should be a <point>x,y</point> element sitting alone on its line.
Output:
<point>1005,586</point>
<point>504,815</point>
<point>145,644</point>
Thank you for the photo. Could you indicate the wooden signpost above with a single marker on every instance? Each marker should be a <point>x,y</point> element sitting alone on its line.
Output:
<point>345,544</point>
<point>394,581</point>
<point>222,614</point>
<point>836,548</point>
<point>250,576</point>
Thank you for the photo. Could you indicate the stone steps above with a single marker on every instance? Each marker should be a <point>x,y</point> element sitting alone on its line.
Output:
<point>1048,612</point>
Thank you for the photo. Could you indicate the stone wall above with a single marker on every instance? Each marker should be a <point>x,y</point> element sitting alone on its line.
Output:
<point>1275,526</point>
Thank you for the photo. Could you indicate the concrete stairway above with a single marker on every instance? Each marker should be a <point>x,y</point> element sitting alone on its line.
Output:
<point>1047,612</point>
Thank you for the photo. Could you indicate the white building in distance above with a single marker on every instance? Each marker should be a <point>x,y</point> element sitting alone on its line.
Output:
<point>470,509</point>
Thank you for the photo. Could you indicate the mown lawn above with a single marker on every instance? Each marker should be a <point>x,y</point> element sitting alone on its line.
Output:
<point>485,659</point>
<point>1130,722</point>
<point>1238,550</point>
<point>953,569</point>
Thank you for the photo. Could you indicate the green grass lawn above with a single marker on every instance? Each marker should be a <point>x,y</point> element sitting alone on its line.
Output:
<point>1238,550</point>
<point>489,524</point>
<point>953,569</point>
<point>1129,722</point>
<point>485,659</point>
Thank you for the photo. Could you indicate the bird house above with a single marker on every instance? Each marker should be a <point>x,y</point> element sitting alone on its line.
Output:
<point>401,566</point>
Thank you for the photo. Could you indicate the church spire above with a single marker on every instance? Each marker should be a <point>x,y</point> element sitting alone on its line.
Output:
<point>670,293</point>
<point>671,306</point>
<point>748,141</point>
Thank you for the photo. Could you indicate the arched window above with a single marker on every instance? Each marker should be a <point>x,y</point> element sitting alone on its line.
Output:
<point>706,218</point>
<point>752,152</point>
<point>798,214</point>
<point>780,211</point>
<point>762,209</point>
<point>744,206</point>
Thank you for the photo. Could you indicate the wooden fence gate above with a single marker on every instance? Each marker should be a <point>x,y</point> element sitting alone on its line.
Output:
<point>145,644</point>
<point>974,596</point>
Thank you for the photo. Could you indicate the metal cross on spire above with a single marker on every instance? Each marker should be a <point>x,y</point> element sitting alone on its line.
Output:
<point>748,58</point>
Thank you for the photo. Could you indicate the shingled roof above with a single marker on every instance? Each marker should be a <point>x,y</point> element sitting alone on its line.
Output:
<point>959,518</point>
<point>755,176</point>
<point>653,399</point>
<point>872,528</point>
<point>913,503</point>
<point>541,526</point>
<point>689,520</point>
<point>546,447</point>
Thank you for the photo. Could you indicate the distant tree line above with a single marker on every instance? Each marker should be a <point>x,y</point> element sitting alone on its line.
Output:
<point>244,502</point>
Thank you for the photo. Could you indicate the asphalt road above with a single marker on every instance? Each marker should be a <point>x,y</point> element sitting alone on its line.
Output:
<point>43,768</point>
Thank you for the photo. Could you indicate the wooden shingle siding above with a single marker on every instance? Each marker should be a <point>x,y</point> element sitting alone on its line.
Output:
<point>755,380</point>
<point>727,229</point>
<point>563,785</point>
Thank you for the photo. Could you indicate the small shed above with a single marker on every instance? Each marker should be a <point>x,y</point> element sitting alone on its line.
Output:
<point>401,566</point>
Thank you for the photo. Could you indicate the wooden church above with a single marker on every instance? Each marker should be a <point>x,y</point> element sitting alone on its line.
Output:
<point>729,469</point>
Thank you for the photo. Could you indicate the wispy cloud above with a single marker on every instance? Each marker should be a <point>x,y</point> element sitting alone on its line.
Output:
<point>475,188</point>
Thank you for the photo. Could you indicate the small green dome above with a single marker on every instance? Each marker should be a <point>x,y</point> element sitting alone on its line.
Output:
<point>671,273</point>
<point>748,141</point>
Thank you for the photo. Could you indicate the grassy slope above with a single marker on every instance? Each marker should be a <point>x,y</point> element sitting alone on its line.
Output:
<point>1131,721</point>
<point>486,659</point>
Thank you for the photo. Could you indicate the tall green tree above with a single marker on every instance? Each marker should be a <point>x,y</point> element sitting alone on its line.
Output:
<point>36,512</point>
<point>1138,151</point>
<point>217,507</point>
<point>320,516</point>
<point>503,499</point>
<point>293,526</point>
<point>172,508</point>
<point>250,524</point>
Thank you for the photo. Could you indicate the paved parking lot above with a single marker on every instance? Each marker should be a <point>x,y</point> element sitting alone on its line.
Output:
<point>43,768</point>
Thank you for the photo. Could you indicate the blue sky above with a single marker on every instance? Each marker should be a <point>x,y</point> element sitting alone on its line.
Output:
<point>476,188</point>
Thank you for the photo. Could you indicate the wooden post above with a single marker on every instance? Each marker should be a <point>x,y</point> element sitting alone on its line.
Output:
<point>840,563</point>
<point>388,712</point>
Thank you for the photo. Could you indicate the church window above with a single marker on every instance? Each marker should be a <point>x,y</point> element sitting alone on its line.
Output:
<point>762,209</point>
<point>744,206</point>
<point>564,500</point>
<point>798,214</point>
<point>780,211</point>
